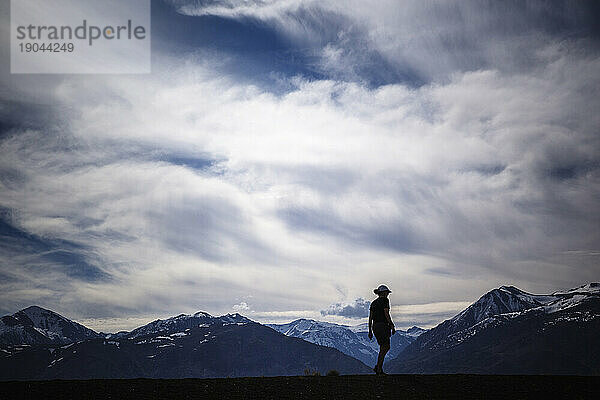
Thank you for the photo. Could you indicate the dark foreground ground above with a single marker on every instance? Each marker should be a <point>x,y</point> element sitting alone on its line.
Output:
<point>319,387</point>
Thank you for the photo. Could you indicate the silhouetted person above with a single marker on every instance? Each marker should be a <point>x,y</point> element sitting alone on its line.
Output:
<point>381,324</point>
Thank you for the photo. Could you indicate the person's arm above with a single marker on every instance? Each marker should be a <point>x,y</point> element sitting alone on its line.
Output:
<point>386,311</point>
<point>387,316</point>
<point>370,324</point>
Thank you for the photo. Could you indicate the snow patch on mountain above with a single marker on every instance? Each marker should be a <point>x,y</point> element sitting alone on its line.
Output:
<point>328,334</point>
<point>360,328</point>
<point>233,319</point>
<point>415,331</point>
<point>501,305</point>
<point>588,289</point>
<point>351,340</point>
<point>36,325</point>
<point>183,322</point>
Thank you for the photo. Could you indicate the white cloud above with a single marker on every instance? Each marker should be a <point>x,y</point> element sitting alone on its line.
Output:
<point>314,196</point>
<point>358,309</point>
<point>241,307</point>
<point>431,308</point>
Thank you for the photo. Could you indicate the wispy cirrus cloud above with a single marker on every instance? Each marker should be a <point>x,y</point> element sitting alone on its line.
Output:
<point>390,41</point>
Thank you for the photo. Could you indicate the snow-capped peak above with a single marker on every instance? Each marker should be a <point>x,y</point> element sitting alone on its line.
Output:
<point>590,288</point>
<point>351,340</point>
<point>35,324</point>
<point>174,324</point>
<point>202,314</point>
<point>415,331</point>
<point>308,327</point>
<point>505,304</point>
<point>41,317</point>
<point>234,319</point>
<point>506,299</point>
<point>55,325</point>
<point>511,300</point>
<point>185,321</point>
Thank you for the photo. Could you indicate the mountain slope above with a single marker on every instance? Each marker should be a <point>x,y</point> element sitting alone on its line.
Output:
<point>230,345</point>
<point>511,331</point>
<point>353,341</point>
<point>36,325</point>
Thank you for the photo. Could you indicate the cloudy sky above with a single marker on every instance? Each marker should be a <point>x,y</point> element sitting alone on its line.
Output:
<point>285,157</point>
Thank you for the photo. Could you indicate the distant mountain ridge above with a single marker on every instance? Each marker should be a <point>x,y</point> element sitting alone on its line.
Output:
<point>415,331</point>
<point>506,331</point>
<point>197,345</point>
<point>181,323</point>
<point>511,331</point>
<point>351,340</point>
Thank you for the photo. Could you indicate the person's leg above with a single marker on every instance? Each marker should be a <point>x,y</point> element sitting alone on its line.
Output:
<point>383,349</point>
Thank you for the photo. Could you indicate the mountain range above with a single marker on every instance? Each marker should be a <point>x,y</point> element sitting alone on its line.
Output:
<point>509,331</point>
<point>351,340</point>
<point>506,331</point>
<point>197,345</point>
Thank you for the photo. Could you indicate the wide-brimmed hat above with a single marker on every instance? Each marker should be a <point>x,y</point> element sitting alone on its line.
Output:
<point>381,289</point>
